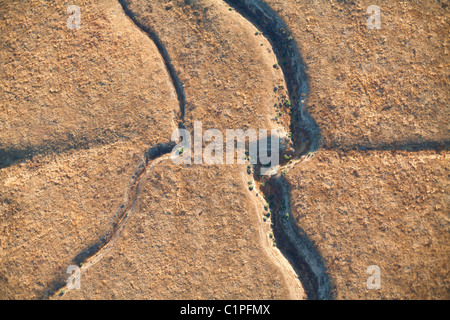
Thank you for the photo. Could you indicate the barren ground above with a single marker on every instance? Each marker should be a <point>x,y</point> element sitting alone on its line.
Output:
<point>382,90</point>
<point>82,110</point>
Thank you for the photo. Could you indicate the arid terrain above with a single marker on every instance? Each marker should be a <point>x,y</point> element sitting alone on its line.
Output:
<point>87,176</point>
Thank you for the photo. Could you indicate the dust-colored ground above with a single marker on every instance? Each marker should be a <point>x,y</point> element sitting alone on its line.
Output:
<point>388,209</point>
<point>374,87</point>
<point>63,88</point>
<point>184,243</point>
<point>228,85</point>
<point>60,87</point>
<point>201,229</point>
<point>383,89</point>
<point>55,208</point>
<point>79,108</point>
<point>226,66</point>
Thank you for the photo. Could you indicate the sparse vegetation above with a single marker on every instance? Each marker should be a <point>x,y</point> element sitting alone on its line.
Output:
<point>358,203</point>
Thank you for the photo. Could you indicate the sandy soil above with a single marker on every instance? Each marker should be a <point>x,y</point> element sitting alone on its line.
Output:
<point>377,208</point>
<point>65,199</point>
<point>184,243</point>
<point>223,93</point>
<point>79,109</point>
<point>374,88</point>
<point>382,90</point>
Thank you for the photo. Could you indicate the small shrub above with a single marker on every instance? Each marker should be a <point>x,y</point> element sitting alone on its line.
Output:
<point>287,103</point>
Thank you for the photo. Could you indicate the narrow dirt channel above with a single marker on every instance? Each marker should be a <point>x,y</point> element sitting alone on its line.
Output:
<point>151,157</point>
<point>165,55</point>
<point>292,242</point>
<point>290,238</point>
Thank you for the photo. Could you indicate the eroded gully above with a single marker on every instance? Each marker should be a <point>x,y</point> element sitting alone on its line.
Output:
<point>292,241</point>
